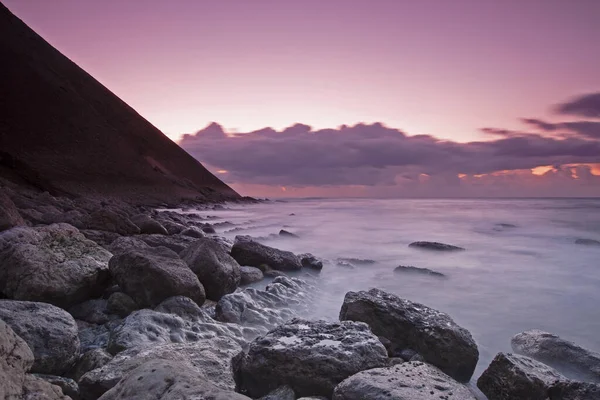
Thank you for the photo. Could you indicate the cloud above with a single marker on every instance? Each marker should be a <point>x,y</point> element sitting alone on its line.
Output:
<point>589,129</point>
<point>587,105</point>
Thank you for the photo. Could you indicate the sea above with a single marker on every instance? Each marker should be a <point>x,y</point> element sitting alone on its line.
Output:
<point>522,268</point>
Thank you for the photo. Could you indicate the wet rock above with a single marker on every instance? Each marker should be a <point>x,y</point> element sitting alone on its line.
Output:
<point>89,361</point>
<point>310,357</point>
<point>568,358</point>
<point>50,332</point>
<point>35,388</point>
<point>152,275</point>
<point>54,264</point>
<point>281,393</point>
<point>148,225</point>
<point>68,386</point>
<point>588,242</point>
<point>93,311</point>
<point>193,232</point>
<point>431,333</point>
<point>250,275</point>
<point>110,220</point>
<point>355,261</point>
<point>288,234</point>
<point>15,360</point>
<point>168,380</point>
<point>310,261</point>
<point>417,270</point>
<point>249,252</point>
<point>436,246</point>
<point>218,272</point>
<point>573,390</point>
<point>9,215</point>
<point>121,304</point>
<point>411,380</point>
<point>511,376</point>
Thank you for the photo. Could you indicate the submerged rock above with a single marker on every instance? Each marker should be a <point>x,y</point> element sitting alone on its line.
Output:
<point>285,233</point>
<point>417,270</point>
<point>588,242</point>
<point>406,324</point>
<point>249,252</point>
<point>250,275</point>
<point>568,358</point>
<point>511,376</point>
<point>311,357</point>
<point>573,390</point>
<point>355,261</point>
<point>15,360</point>
<point>437,246</point>
<point>310,261</point>
<point>407,381</point>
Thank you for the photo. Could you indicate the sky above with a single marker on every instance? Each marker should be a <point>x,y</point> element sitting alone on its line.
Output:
<point>455,73</point>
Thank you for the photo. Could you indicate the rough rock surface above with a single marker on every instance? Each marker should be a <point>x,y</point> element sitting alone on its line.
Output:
<point>50,332</point>
<point>93,336</point>
<point>406,324</point>
<point>407,381</point>
<point>15,360</point>
<point>177,243</point>
<point>511,376</point>
<point>408,269</point>
<point>9,214</point>
<point>120,304</point>
<point>54,264</point>
<point>209,358</point>
<point>311,357</point>
<point>152,275</point>
<point>281,393</point>
<point>148,225</point>
<point>566,357</point>
<point>126,243</point>
<point>110,220</point>
<point>168,380</point>
<point>91,360</point>
<point>250,275</point>
<point>573,390</point>
<point>436,246</point>
<point>93,311</point>
<point>35,388</point>
<point>249,252</point>
<point>310,261</point>
<point>68,386</point>
<point>218,272</point>
<point>193,232</point>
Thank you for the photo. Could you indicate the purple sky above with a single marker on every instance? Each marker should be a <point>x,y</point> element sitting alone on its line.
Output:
<point>440,68</point>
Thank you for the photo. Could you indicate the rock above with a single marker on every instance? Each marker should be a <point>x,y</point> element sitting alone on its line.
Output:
<point>218,272</point>
<point>271,273</point>
<point>121,304</point>
<point>95,336</point>
<point>102,238</point>
<point>407,354</point>
<point>111,220</point>
<point>572,390</point>
<point>311,357</point>
<point>91,360</point>
<point>287,234</point>
<point>50,332</point>
<point>183,307</point>
<point>435,246</point>
<point>54,264</point>
<point>93,311</point>
<point>407,381</point>
<point>173,228</point>
<point>177,243</point>
<point>355,261</point>
<point>148,225</point>
<point>126,243</point>
<point>431,333</point>
<point>345,264</point>
<point>210,359</point>
<point>35,388</point>
<point>511,376</point>
<point>208,229</point>
<point>417,270</point>
<point>9,215</point>
<point>68,386</point>
<point>15,360</point>
<point>281,393</point>
<point>250,275</point>
<point>193,232</point>
<point>152,275</point>
<point>168,380</point>
<point>248,252</point>
<point>309,261</point>
<point>568,358</point>
<point>588,242</point>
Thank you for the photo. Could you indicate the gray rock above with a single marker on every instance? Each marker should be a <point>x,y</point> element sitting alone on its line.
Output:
<point>35,388</point>
<point>417,270</point>
<point>95,336</point>
<point>9,215</point>
<point>511,376</point>
<point>313,398</point>
<point>436,246</point>
<point>310,357</point>
<point>177,243</point>
<point>168,380</point>
<point>355,261</point>
<point>309,261</point>
<point>54,264</point>
<point>152,275</point>
<point>250,275</point>
<point>183,307</point>
<point>173,228</point>
<point>271,273</point>
<point>93,311</point>
<point>588,242</point>
<point>207,228</point>
<point>68,386</point>
<point>209,358</point>
<point>568,358</point>
<point>287,234</point>
<point>50,332</point>
<point>218,272</point>
<point>248,252</point>
<point>431,333</point>
<point>15,360</point>
<point>89,361</point>
<point>148,225</point>
<point>408,381</point>
<point>110,220</point>
<point>125,243</point>
<point>102,238</point>
<point>121,304</point>
<point>193,232</point>
<point>572,390</point>
<point>281,393</point>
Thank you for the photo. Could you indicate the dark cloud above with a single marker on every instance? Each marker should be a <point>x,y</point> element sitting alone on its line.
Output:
<point>589,129</point>
<point>587,105</point>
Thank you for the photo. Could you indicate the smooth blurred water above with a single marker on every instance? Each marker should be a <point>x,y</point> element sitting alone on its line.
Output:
<point>510,279</point>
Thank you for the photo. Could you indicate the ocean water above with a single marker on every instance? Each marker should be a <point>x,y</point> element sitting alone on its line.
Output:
<point>521,268</point>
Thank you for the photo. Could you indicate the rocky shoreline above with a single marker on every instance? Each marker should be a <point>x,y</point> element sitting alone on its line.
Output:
<point>106,300</point>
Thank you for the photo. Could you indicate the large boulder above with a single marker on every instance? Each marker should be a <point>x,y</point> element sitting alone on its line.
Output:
<point>250,275</point>
<point>210,359</point>
<point>573,390</point>
<point>249,252</point>
<point>152,275</point>
<point>15,360</point>
<point>177,243</point>
<point>568,358</point>
<point>50,332</point>
<point>9,214</point>
<point>407,381</point>
<point>511,376</point>
<point>408,325</point>
<point>54,264</point>
<point>218,272</point>
<point>311,357</point>
<point>168,380</point>
<point>148,225</point>
<point>125,243</point>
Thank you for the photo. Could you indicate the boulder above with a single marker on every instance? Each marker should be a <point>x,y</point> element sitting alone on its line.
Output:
<point>54,264</point>
<point>9,215</point>
<point>281,393</point>
<point>102,238</point>
<point>407,381</point>
<point>35,388</point>
<point>93,336</point>
<point>311,357</point>
<point>218,272</point>
<point>126,243</point>
<point>207,228</point>
<point>573,390</point>
<point>50,332</point>
<point>406,324</point>
<point>121,304</point>
<point>148,225</point>
<point>152,275</point>
<point>417,270</point>
<point>511,376</point>
<point>110,220</point>
<point>68,386</point>
<point>94,311</point>
<point>250,275</point>
<point>91,360</point>
<point>435,246</point>
<point>288,234</point>
<point>566,357</point>
<point>309,261</point>
<point>193,232</point>
<point>173,228</point>
<point>15,360</point>
<point>168,380</point>
<point>249,252</point>
<point>177,243</point>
